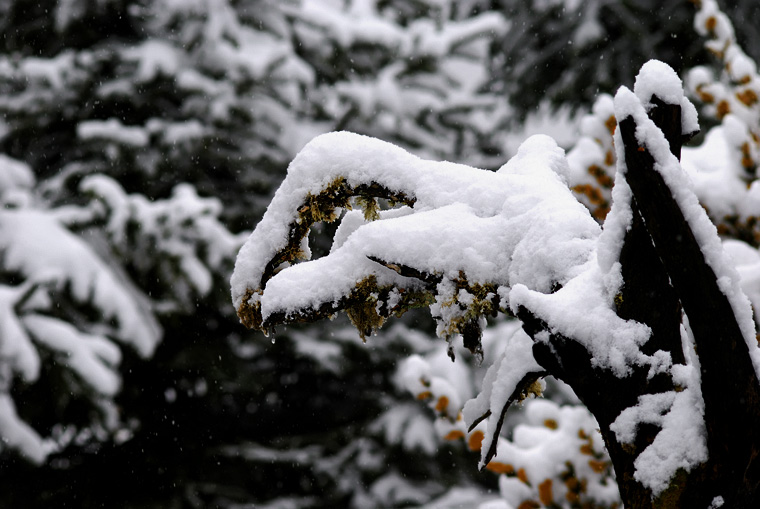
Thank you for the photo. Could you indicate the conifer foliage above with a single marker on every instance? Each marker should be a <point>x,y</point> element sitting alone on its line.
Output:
<point>138,139</point>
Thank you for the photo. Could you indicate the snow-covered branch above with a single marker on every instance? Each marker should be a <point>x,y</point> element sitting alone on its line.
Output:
<point>462,238</point>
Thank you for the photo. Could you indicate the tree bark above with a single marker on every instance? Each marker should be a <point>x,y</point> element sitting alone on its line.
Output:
<point>664,269</point>
<point>729,384</point>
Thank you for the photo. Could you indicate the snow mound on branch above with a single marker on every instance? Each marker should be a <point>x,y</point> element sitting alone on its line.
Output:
<point>583,310</point>
<point>520,225</point>
<point>680,443</point>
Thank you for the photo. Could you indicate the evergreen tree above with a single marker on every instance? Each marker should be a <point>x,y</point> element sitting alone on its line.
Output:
<point>140,136</point>
<point>568,52</point>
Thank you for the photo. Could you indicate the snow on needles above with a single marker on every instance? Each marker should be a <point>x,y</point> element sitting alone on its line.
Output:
<point>60,255</point>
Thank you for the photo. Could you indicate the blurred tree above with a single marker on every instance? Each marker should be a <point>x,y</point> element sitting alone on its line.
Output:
<point>568,52</point>
<point>140,135</point>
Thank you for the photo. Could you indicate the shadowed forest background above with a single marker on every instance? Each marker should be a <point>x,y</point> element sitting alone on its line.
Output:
<point>140,143</point>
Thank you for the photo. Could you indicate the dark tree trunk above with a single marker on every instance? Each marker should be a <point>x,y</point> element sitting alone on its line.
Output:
<point>729,383</point>
<point>664,270</point>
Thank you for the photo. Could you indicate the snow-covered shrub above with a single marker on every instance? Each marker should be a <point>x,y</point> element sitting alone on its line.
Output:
<point>150,130</point>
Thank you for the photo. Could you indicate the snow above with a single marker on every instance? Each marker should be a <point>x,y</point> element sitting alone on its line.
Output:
<point>350,28</point>
<point>658,79</point>
<point>519,225</point>
<point>182,228</point>
<point>154,58</point>
<point>501,380</point>
<point>112,130</point>
<point>681,441</point>
<point>746,259</point>
<point>679,444</point>
<point>616,225</point>
<point>16,348</point>
<point>405,425</point>
<point>554,438</point>
<point>715,174</point>
<point>717,502</point>
<point>648,135</point>
<point>416,376</point>
<point>54,71</point>
<point>396,491</point>
<point>36,245</point>
<point>562,125</point>
<point>174,133</point>
<point>93,358</point>
<point>741,68</point>
<point>428,40</point>
<point>460,498</point>
<point>709,20</point>
<point>590,30</point>
<point>14,174</point>
<point>514,229</point>
<point>18,435</point>
<point>583,310</point>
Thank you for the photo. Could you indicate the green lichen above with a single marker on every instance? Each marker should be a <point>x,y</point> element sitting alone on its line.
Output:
<point>368,305</point>
<point>370,207</point>
<point>671,497</point>
<point>484,302</point>
<point>618,301</point>
<point>250,314</point>
<point>413,300</point>
<point>362,308</point>
<point>322,207</point>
